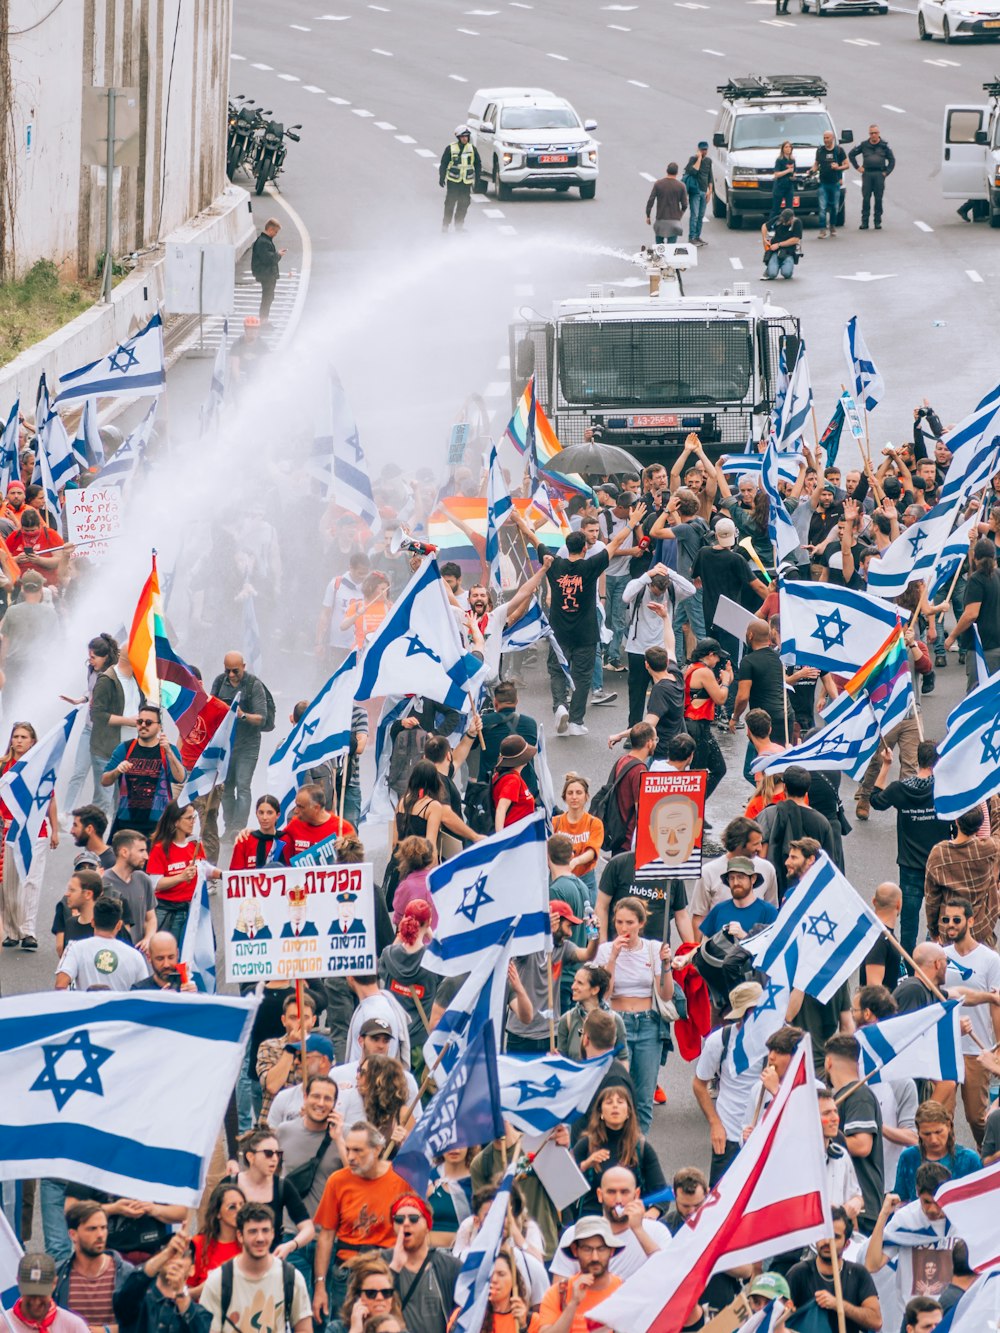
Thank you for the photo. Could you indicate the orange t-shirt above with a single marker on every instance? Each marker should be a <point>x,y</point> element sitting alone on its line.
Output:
<point>369,621</point>
<point>359,1211</point>
<point>552,1305</point>
<point>589,832</point>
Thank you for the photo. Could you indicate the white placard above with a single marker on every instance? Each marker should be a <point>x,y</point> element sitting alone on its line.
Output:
<point>733,618</point>
<point>93,519</point>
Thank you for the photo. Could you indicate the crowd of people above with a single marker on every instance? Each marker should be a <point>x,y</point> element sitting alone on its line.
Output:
<point>306,1223</point>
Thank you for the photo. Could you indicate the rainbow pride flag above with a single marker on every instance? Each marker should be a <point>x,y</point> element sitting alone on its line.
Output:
<point>886,679</point>
<point>469,548</point>
<point>546,443</point>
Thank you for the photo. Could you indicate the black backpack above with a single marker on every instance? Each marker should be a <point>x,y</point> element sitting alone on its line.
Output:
<point>269,709</point>
<point>724,963</point>
<point>226,1298</point>
<point>604,806</point>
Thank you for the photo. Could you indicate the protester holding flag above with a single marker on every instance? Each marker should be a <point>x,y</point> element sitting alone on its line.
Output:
<point>21,893</point>
<point>144,771</point>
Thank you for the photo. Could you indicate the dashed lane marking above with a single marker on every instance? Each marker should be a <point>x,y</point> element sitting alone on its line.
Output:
<point>619,27</point>
<point>507,229</point>
<point>922,226</point>
<point>637,83</point>
<point>377,51</point>
<point>339,101</point>
<point>493,213</point>
<point>384,125</point>
<point>647,177</point>
<point>259,65</point>
<point>405,138</point>
<point>290,78</point>
<point>311,88</point>
<point>425,152</point>
<point>887,106</point>
<point>972,275</point>
<point>735,261</point>
<point>365,115</point>
<point>554,55</point>
<point>459,78</point>
<point>299,28</point>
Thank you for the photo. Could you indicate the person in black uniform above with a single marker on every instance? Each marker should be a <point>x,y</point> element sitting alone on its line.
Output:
<point>877,162</point>
<point>264,260</point>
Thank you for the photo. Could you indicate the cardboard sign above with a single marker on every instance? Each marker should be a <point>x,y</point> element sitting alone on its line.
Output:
<point>670,825</point>
<point>93,518</point>
<point>299,921</point>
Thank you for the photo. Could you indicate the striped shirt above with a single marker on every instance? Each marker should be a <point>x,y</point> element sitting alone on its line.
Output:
<point>968,869</point>
<point>91,1297</point>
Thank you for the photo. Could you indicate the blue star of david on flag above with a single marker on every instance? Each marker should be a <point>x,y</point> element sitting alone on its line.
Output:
<point>528,1091</point>
<point>821,928</point>
<point>830,638</point>
<point>769,1000</point>
<point>115,362</point>
<point>474,899</point>
<point>418,647</point>
<point>77,1079</point>
<point>991,746</point>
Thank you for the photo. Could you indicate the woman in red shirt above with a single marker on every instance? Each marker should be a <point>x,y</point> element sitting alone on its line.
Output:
<point>264,845</point>
<point>511,798</point>
<point>19,900</point>
<point>174,854</point>
<point>217,1242</point>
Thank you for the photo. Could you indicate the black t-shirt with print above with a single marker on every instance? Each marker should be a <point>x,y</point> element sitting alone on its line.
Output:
<point>573,608</point>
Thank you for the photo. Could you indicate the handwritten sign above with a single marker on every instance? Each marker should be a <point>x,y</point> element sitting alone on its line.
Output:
<point>299,921</point>
<point>93,518</point>
<point>670,824</point>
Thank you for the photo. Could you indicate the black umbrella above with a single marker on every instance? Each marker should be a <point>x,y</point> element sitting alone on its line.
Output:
<point>593,456</point>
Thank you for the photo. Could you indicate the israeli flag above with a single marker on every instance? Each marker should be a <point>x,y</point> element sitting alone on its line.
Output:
<point>322,732</point>
<point>781,530</point>
<point>982,670</point>
<point>498,509</point>
<point>925,1044</point>
<point>823,932</point>
<point>55,461</point>
<point>45,479</point>
<point>748,1049</point>
<point>135,369</point>
<point>796,406</point>
<point>212,408</point>
<point>909,1228</point>
<point>771,1319</point>
<point>975,450</point>
<point>913,554</point>
<point>124,1092</point>
<point>10,1257</point>
<point>968,766</point>
<point>540,1092</point>
<point>472,1287</point>
<point>88,447</point>
<point>198,945</point>
<point>953,553</point>
<point>978,1311</point>
<point>480,892</point>
<point>26,789</point>
<point>846,743</point>
<point>212,764</point>
<point>123,462</point>
<point>867,385</point>
<point>735,465</point>
<point>832,628</point>
<point>546,787</point>
<point>530,628</point>
<point>482,996</point>
<point>339,460</point>
<point>10,467</point>
<point>381,804</point>
<point>418,648</point>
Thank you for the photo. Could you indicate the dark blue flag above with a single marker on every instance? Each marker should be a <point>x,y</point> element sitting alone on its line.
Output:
<point>465,1111</point>
<point>830,439</point>
<point>809,1318</point>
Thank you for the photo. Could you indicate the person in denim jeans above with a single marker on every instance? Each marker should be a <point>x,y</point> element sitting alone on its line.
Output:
<point>781,245</point>
<point>636,965</point>
<point>698,179</point>
<point>831,163</point>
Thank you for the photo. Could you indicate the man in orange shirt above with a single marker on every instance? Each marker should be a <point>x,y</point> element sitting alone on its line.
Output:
<point>564,1306</point>
<point>355,1213</point>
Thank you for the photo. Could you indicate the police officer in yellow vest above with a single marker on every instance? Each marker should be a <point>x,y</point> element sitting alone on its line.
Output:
<point>459,169</point>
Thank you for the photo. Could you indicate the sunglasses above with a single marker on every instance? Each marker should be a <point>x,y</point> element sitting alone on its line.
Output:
<point>377,1293</point>
<point>412,1218</point>
<point>946,919</point>
<point>269,1153</point>
<point>146,722</point>
<point>233,671</point>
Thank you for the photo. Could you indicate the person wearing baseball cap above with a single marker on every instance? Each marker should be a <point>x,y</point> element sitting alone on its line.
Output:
<point>732,1110</point>
<point>768,1287</point>
<point>697,179</point>
<point>724,572</point>
<point>35,1309</point>
<point>591,1243</point>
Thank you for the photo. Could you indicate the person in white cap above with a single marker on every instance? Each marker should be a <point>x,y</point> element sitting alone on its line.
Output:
<point>34,1308</point>
<point>722,572</point>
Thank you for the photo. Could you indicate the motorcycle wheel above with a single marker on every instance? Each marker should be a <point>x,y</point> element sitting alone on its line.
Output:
<point>264,171</point>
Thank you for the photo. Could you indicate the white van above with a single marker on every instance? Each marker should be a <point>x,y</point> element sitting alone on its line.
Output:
<point>528,138</point>
<point>970,153</point>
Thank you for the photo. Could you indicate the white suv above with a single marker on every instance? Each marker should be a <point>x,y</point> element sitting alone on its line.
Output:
<point>531,139</point>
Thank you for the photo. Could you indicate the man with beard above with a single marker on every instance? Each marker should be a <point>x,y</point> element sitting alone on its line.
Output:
<point>166,974</point>
<point>127,880</point>
<point>564,1306</point>
<point>86,1282</point>
<point>480,604</point>
<point>424,1274</point>
<point>87,830</point>
<point>976,966</point>
<point>625,1214</point>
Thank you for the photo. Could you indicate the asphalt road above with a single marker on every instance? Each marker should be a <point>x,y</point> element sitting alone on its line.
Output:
<point>416,322</point>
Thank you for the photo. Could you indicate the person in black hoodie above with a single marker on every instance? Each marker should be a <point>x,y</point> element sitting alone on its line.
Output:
<point>794,819</point>
<point>918,830</point>
<point>155,1297</point>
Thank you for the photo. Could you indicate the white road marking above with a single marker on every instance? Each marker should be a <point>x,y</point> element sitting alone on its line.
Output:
<point>377,51</point>
<point>688,4</point>
<point>777,23</point>
<point>381,9</point>
<point>257,65</point>
<point>405,138</point>
<point>234,56</point>
<point>493,213</point>
<point>482,13</point>
<point>707,51</point>
<point>619,27</point>
<point>864,276</point>
<point>637,83</point>
<point>311,88</point>
<point>496,389</point>
<point>365,115</point>
<point>554,55</point>
<point>955,64</point>
<point>332,18</point>
<point>856,184</point>
<point>459,78</point>
<point>425,152</point>
<point>860,41</point>
<point>520,289</point>
<point>620,8</point>
<point>923,226</point>
<point>887,106</point>
<point>339,101</point>
<point>942,64</point>
<point>507,229</point>
<point>647,177</point>
<point>468,32</point>
<point>516,4</point>
<point>384,125</point>
<point>299,28</point>
<point>736,262</point>
<point>972,275</point>
<point>290,78</point>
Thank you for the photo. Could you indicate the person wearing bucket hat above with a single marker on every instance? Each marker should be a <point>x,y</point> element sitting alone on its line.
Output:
<point>512,799</point>
<point>564,1306</point>
<point>732,1108</point>
<point>745,910</point>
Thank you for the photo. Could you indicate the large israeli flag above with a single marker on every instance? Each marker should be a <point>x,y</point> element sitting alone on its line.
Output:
<point>925,1044</point>
<point>322,732</point>
<point>472,1287</point>
<point>823,932</point>
<point>954,551</point>
<point>480,892</point>
<point>748,1049</point>
<point>975,450</point>
<point>846,743</point>
<point>88,445</point>
<point>418,649</point>
<point>26,789</point>
<point>135,369</point>
<point>913,554</point>
<point>481,997</point>
<point>539,1092</point>
<point>796,406</point>
<point>832,628</point>
<point>781,530</point>
<point>498,510</point>
<point>968,766</point>
<point>867,385</point>
<point>123,1092</point>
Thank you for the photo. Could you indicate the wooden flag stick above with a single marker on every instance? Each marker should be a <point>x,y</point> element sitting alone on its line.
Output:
<point>838,1291</point>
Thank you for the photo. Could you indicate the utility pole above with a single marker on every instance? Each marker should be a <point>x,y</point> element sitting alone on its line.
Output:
<point>109,195</point>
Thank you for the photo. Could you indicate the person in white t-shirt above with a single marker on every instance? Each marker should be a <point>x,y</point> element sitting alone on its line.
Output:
<point>333,643</point>
<point>383,1010</point>
<point>624,1210</point>
<point>841,1177</point>
<point>102,960</point>
<point>732,1109</point>
<point>975,967</point>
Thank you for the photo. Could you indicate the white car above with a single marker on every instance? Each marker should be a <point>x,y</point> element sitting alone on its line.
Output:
<point>957,18</point>
<point>821,7</point>
<point>531,139</point>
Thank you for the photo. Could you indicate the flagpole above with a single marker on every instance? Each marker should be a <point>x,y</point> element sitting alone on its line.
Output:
<point>552,1021</point>
<point>299,990</point>
<point>919,972</point>
<point>425,1083</point>
<point>838,1291</point>
<point>344,768</point>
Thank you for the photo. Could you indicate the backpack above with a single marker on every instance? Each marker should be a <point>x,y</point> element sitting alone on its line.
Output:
<point>724,963</point>
<point>269,709</point>
<point>407,752</point>
<point>226,1296</point>
<point>604,806</point>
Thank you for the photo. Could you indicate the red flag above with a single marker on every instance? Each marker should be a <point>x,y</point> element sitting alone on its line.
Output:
<point>206,724</point>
